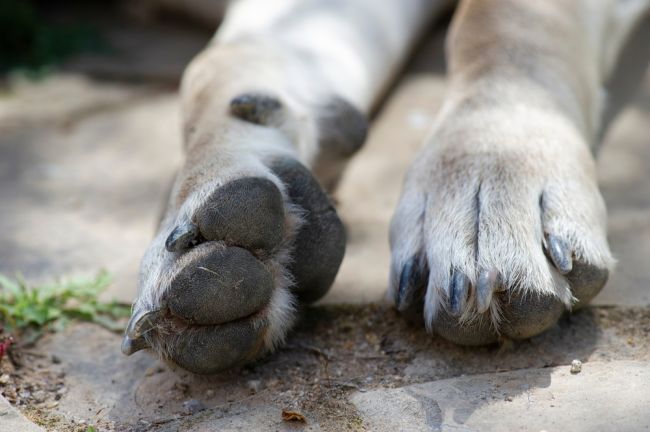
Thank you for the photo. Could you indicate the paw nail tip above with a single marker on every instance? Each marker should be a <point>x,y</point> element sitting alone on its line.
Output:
<point>130,346</point>
<point>181,237</point>
<point>485,287</point>
<point>560,254</point>
<point>140,323</point>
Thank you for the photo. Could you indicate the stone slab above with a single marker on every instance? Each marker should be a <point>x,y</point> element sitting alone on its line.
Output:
<point>603,396</point>
<point>85,196</point>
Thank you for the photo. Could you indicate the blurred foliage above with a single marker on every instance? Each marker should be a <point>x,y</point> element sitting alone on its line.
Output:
<point>32,43</point>
<point>27,311</point>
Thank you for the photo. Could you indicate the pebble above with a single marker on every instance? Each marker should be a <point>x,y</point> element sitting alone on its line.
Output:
<point>576,366</point>
<point>192,406</point>
<point>39,396</point>
<point>4,378</point>
<point>254,385</point>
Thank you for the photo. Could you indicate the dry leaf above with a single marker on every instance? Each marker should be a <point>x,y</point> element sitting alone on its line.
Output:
<point>293,416</point>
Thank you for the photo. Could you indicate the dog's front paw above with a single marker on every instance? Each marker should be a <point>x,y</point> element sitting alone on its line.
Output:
<point>220,280</point>
<point>500,228</point>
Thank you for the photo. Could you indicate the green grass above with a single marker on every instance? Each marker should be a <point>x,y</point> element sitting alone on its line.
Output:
<point>28,311</point>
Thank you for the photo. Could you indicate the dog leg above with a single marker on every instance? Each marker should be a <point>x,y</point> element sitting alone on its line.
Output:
<point>277,101</point>
<point>501,226</point>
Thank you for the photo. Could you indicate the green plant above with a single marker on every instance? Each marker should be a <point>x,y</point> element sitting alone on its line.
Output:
<point>29,311</point>
<point>32,42</point>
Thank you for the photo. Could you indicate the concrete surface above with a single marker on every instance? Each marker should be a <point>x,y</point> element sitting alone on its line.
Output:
<point>11,420</point>
<point>84,166</point>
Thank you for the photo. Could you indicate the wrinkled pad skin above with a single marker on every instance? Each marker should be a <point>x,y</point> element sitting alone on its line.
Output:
<point>523,317</point>
<point>247,212</point>
<point>320,243</point>
<point>527,316</point>
<point>478,332</point>
<point>222,286</point>
<point>208,350</point>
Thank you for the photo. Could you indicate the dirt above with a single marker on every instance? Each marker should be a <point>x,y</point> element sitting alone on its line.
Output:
<point>33,382</point>
<point>334,351</point>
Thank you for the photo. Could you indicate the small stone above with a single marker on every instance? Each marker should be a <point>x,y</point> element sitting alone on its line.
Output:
<point>508,398</point>
<point>55,359</point>
<point>254,386</point>
<point>4,378</point>
<point>192,406</point>
<point>576,366</point>
<point>39,396</point>
<point>209,393</point>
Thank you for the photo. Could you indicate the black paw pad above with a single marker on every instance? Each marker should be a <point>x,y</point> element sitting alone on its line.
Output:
<point>586,281</point>
<point>247,212</point>
<point>221,286</point>
<point>478,331</point>
<point>320,244</point>
<point>525,316</point>
<point>342,128</point>
<point>257,108</point>
<point>207,350</point>
<point>342,131</point>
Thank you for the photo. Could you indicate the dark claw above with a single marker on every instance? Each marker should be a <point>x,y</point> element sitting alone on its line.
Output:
<point>182,237</point>
<point>560,253</point>
<point>141,322</point>
<point>485,287</point>
<point>130,346</point>
<point>412,284</point>
<point>256,108</point>
<point>458,292</point>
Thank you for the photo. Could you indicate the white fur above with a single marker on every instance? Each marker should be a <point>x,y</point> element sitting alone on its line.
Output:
<point>531,144</point>
<point>524,159</point>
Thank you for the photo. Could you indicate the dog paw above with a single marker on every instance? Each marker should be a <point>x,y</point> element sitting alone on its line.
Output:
<point>219,283</point>
<point>499,230</point>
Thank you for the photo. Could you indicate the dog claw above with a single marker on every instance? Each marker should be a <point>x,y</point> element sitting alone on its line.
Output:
<point>141,323</point>
<point>560,254</point>
<point>485,287</point>
<point>182,237</point>
<point>458,291</point>
<point>130,346</point>
<point>411,283</point>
